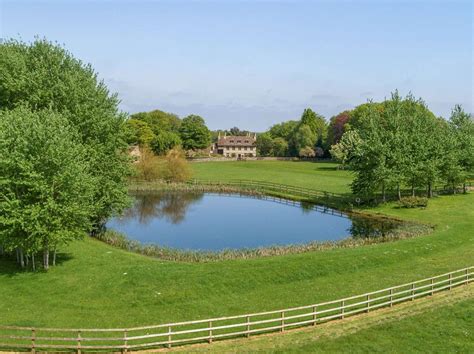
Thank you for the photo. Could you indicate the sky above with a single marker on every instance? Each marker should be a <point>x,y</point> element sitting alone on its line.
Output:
<point>252,64</point>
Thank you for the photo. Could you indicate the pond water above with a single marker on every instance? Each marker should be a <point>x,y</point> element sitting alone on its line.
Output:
<point>213,222</point>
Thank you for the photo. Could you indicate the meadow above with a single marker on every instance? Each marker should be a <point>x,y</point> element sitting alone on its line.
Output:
<point>96,285</point>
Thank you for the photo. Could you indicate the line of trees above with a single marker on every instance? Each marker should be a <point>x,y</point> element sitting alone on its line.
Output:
<point>400,143</point>
<point>304,138</point>
<point>161,132</point>
<point>63,157</point>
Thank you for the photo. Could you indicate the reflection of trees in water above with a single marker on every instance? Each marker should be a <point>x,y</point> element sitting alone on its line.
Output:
<point>169,205</point>
<point>370,227</point>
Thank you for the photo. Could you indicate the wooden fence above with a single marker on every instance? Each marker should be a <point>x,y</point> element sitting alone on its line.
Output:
<point>208,330</point>
<point>319,196</point>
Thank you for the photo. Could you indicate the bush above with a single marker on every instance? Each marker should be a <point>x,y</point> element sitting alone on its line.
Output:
<point>413,202</point>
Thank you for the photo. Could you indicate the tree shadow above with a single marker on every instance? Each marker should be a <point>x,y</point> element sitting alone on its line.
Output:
<point>10,268</point>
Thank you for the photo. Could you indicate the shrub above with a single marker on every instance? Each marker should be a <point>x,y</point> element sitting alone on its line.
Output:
<point>413,202</point>
<point>177,168</point>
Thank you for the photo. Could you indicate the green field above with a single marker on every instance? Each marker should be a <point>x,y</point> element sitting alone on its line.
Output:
<point>440,324</point>
<point>322,175</point>
<point>96,285</point>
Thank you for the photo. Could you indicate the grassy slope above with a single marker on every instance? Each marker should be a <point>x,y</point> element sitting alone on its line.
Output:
<point>99,286</point>
<point>322,176</point>
<point>441,324</point>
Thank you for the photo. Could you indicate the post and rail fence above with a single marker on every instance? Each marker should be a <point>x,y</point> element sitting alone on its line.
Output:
<point>340,200</point>
<point>209,330</point>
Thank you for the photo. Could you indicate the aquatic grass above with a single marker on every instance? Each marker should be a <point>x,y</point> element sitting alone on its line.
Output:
<point>117,239</point>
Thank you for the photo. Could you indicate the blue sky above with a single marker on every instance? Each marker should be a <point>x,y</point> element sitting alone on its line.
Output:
<point>256,63</point>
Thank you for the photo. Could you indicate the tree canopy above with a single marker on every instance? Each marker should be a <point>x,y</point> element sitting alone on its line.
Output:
<point>194,133</point>
<point>43,76</point>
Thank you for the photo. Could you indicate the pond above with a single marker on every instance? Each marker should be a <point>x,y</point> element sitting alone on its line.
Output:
<point>214,222</point>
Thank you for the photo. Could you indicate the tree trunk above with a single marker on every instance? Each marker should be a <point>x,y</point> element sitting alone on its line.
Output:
<point>54,257</point>
<point>33,265</point>
<point>430,190</point>
<point>412,190</point>
<point>22,259</point>
<point>399,192</point>
<point>46,258</point>
<point>464,189</point>
<point>383,193</point>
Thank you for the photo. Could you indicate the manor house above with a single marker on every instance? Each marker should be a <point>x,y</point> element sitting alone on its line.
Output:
<point>236,146</point>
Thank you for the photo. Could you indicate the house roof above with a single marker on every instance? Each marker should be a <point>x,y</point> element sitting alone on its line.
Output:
<point>236,141</point>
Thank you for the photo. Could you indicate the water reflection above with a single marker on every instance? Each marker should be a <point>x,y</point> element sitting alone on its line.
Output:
<point>171,206</point>
<point>210,221</point>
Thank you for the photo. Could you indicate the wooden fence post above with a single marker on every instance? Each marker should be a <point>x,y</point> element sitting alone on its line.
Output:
<point>450,281</point>
<point>314,315</point>
<point>368,304</point>
<point>412,292</point>
<point>125,341</point>
<point>33,338</point>
<point>169,337</point>
<point>282,321</point>
<point>248,326</point>
<point>391,297</point>
<point>432,286</point>
<point>467,276</point>
<point>79,342</point>
<point>210,332</point>
<point>342,309</point>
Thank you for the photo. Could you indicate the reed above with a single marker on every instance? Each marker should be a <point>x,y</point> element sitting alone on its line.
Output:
<point>117,239</point>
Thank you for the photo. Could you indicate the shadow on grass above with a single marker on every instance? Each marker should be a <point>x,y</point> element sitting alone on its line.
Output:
<point>9,267</point>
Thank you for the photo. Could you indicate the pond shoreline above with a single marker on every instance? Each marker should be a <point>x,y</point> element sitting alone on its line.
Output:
<point>404,230</point>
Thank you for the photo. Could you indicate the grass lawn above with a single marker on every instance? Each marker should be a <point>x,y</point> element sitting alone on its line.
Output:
<point>440,324</point>
<point>96,285</point>
<point>321,175</point>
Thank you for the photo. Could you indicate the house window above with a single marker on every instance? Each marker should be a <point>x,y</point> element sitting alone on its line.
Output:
<point>246,141</point>
<point>233,147</point>
<point>232,141</point>
<point>245,148</point>
<point>239,141</point>
<point>240,148</point>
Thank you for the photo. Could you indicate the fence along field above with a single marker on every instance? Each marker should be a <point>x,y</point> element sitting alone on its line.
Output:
<point>207,330</point>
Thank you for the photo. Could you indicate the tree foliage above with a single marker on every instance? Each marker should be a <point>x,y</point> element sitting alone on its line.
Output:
<point>399,143</point>
<point>46,189</point>
<point>43,75</point>
<point>194,133</point>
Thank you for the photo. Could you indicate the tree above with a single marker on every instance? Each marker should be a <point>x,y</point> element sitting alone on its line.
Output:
<point>159,121</point>
<point>42,75</point>
<point>264,144</point>
<point>461,147</point>
<point>346,147</point>
<point>46,188</point>
<point>307,151</point>
<point>164,142</point>
<point>194,133</point>
<point>317,124</point>
<point>138,132</point>
<point>235,131</point>
<point>302,137</point>
<point>280,147</point>
<point>337,127</point>
<point>283,130</point>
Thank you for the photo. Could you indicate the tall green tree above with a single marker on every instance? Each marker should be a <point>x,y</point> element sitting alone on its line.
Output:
<point>264,144</point>
<point>43,75</point>
<point>194,133</point>
<point>164,142</point>
<point>46,188</point>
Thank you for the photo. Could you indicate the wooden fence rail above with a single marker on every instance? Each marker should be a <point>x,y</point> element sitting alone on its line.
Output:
<point>208,330</point>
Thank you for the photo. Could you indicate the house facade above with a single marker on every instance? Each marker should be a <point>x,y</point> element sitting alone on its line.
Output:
<point>236,146</point>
